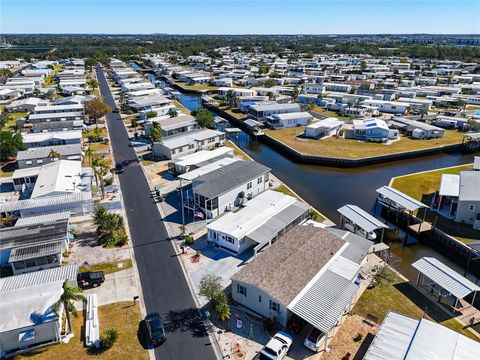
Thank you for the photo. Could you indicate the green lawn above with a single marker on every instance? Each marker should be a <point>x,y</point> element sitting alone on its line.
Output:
<point>422,187</point>
<point>196,87</point>
<point>109,267</point>
<point>13,118</point>
<point>181,107</point>
<point>148,162</point>
<point>396,294</point>
<point>123,317</point>
<point>355,149</point>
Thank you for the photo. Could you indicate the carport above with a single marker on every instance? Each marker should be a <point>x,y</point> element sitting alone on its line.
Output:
<point>438,277</point>
<point>354,218</point>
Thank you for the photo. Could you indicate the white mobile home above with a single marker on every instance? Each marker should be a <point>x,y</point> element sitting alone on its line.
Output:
<point>262,112</point>
<point>293,119</point>
<point>326,127</point>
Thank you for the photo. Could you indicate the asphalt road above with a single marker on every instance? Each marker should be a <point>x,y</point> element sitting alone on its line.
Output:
<point>165,289</point>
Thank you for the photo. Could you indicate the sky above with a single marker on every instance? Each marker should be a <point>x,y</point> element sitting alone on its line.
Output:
<point>240,17</point>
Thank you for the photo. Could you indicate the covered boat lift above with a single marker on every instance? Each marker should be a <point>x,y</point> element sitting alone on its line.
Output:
<point>396,200</point>
<point>354,218</point>
<point>440,278</point>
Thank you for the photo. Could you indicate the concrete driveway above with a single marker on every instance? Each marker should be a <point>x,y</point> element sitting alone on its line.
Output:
<point>118,286</point>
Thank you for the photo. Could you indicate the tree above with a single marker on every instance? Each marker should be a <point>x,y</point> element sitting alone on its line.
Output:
<point>110,227</point>
<point>53,154</point>
<point>156,132</point>
<point>173,113</point>
<point>151,114</point>
<point>221,307</point>
<point>96,109</point>
<point>5,72</point>
<point>10,144</point>
<point>295,94</point>
<point>5,117</point>
<point>205,119</point>
<point>93,83</point>
<point>100,169</point>
<point>363,65</point>
<point>108,338</point>
<point>210,286</point>
<point>69,295</point>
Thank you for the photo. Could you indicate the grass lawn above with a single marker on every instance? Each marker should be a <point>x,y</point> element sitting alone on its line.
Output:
<point>236,113</point>
<point>99,147</point>
<point>324,111</point>
<point>124,317</point>
<point>181,107</point>
<point>109,267</point>
<point>148,162</point>
<point>14,117</point>
<point>236,150</point>
<point>422,187</point>
<point>398,295</point>
<point>355,149</point>
<point>473,107</point>
<point>93,132</point>
<point>7,169</point>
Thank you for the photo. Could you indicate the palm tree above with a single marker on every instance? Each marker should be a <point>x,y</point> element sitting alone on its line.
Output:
<point>155,132</point>
<point>173,113</point>
<point>53,154</point>
<point>89,153</point>
<point>70,294</point>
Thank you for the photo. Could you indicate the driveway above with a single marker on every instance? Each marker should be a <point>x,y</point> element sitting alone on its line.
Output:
<point>165,288</point>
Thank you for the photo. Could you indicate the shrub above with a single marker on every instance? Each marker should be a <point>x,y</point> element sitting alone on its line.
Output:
<point>108,338</point>
<point>358,337</point>
<point>189,240</point>
<point>109,181</point>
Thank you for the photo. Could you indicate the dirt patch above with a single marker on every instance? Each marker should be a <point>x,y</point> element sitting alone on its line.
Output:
<point>85,248</point>
<point>343,343</point>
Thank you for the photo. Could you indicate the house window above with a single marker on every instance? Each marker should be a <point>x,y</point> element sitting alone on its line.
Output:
<point>259,298</point>
<point>191,146</point>
<point>28,335</point>
<point>471,207</point>
<point>19,265</point>
<point>259,180</point>
<point>249,185</point>
<point>230,239</point>
<point>242,290</point>
<point>274,306</point>
<point>30,263</point>
<point>28,162</point>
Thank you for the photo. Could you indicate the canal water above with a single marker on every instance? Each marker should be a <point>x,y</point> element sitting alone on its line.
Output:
<point>329,188</point>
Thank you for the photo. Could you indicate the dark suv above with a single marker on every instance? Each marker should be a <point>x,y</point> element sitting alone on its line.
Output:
<point>90,279</point>
<point>155,329</point>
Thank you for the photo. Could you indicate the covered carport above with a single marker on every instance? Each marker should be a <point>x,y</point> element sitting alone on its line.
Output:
<point>354,218</point>
<point>442,281</point>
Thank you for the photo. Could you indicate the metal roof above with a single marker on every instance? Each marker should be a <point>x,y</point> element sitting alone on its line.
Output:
<point>34,251</point>
<point>361,218</point>
<point>278,222</point>
<point>403,338</point>
<point>445,277</point>
<point>228,178</point>
<point>18,236</point>
<point>11,206</point>
<point>358,246</point>
<point>325,301</point>
<point>41,277</point>
<point>450,185</point>
<point>469,186</point>
<point>400,199</point>
<point>43,218</point>
<point>189,176</point>
<point>42,152</point>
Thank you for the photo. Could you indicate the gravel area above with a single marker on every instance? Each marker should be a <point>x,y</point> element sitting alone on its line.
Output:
<point>85,248</point>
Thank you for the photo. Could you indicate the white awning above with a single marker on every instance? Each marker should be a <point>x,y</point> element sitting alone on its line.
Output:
<point>399,199</point>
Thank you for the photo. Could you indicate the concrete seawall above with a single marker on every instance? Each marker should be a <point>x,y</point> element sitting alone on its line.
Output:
<point>335,161</point>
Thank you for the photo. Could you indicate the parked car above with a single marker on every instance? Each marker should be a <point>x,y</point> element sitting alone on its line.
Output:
<point>155,329</point>
<point>90,279</point>
<point>119,168</point>
<point>277,347</point>
<point>314,339</point>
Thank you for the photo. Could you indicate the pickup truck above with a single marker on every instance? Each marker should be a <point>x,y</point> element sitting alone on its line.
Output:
<point>90,279</point>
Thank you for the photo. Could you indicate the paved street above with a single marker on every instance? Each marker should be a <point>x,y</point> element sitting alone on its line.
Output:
<point>164,286</point>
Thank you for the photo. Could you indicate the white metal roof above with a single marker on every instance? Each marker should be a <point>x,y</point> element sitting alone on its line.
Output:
<point>403,338</point>
<point>401,199</point>
<point>29,306</point>
<point>361,218</point>
<point>11,206</point>
<point>328,123</point>
<point>293,115</point>
<point>207,168</point>
<point>42,218</point>
<point>64,135</point>
<point>325,301</point>
<point>202,156</point>
<point>41,277</point>
<point>256,212</point>
<point>450,185</point>
<point>445,277</point>
<point>62,176</point>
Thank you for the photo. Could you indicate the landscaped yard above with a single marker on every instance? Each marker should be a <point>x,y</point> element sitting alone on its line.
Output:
<point>124,317</point>
<point>7,169</point>
<point>13,118</point>
<point>354,149</point>
<point>108,267</point>
<point>422,187</point>
<point>185,86</point>
<point>395,294</point>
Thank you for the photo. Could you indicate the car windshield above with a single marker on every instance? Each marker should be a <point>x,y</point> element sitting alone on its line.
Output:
<point>269,351</point>
<point>280,339</point>
<point>314,335</point>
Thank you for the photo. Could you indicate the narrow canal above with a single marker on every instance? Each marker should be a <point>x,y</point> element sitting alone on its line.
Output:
<point>329,188</point>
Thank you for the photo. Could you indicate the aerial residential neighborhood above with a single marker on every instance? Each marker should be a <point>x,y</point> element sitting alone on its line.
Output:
<point>273,197</point>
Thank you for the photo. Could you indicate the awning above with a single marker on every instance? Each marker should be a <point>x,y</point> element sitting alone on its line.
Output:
<point>445,277</point>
